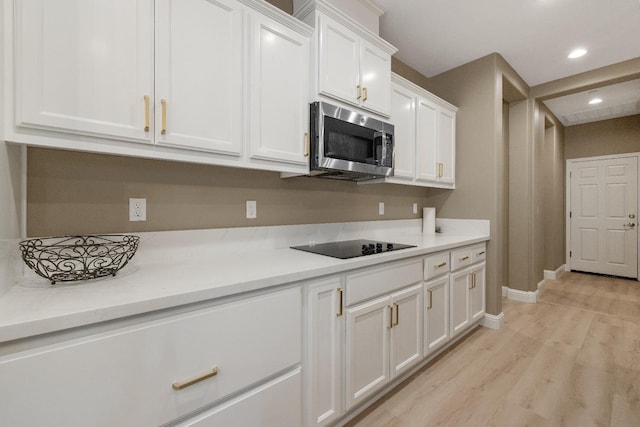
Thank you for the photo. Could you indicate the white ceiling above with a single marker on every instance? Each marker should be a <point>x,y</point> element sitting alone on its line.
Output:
<point>534,36</point>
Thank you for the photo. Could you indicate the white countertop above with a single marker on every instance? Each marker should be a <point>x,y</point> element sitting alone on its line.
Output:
<point>171,269</point>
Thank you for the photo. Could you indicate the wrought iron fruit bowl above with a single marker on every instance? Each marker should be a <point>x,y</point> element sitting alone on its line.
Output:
<point>71,258</point>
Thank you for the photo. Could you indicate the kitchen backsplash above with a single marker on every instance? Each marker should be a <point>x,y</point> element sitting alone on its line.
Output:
<point>79,193</point>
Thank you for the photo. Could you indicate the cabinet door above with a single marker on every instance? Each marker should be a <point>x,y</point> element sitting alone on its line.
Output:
<point>339,62</point>
<point>279,92</point>
<point>367,356</point>
<point>478,292</point>
<point>324,366</point>
<point>426,140</point>
<point>436,317</point>
<point>85,66</point>
<point>447,145</point>
<point>199,75</point>
<point>403,117</point>
<point>460,304</point>
<point>406,333</point>
<point>375,79</point>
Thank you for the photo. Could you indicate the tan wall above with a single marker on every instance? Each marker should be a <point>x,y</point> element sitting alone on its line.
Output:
<point>286,5</point>
<point>615,136</point>
<point>70,192</point>
<point>472,88</point>
<point>554,196</point>
<point>409,73</point>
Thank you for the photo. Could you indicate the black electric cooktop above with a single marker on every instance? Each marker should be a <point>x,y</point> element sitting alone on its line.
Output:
<point>352,248</point>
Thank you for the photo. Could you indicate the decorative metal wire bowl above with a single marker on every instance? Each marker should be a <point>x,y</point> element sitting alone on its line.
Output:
<point>71,258</point>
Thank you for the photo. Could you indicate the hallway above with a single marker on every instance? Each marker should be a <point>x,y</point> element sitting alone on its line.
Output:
<point>572,359</point>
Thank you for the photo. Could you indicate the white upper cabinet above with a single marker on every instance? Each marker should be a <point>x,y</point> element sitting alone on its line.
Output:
<point>403,115</point>
<point>279,96</point>
<point>222,82</point>
<point>84,67</point>
<point>351,64</point>
<point>199,61</point>
<point>424,135</point>
<point>339,61</point>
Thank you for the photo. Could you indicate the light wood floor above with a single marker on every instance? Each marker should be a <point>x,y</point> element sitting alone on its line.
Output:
<point>572,359</point>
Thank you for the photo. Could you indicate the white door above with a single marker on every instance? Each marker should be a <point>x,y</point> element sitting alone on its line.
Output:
<point>375,78</point>
<point>436,315</point>
<point>406,333</point>
<point>199,75</point>
<point>324,351</point>
<point>367,358</point>
<point>403,117</point>
<point>279,95</point>
<point>85,66</point>
<point>426,140</point>
<point>339,74</point>
<point>603,210</point>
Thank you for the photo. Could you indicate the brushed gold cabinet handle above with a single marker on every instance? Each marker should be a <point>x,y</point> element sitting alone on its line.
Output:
<point>164,116</point>
<point>470,280</point>
<point>390,316</point>
<point>397,308</point>
<point>180,386</point>
<point>464,258</point>
<point>366,94</point>
<point>146,113</point>
<point>359,92</point>
<point>306,145</point>
<point>430,299</point>
<point>340,294</point>
<point>442,264</point>
<point>440,170</point>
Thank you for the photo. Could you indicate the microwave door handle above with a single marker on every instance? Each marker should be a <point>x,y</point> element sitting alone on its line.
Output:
<point>378,141</point>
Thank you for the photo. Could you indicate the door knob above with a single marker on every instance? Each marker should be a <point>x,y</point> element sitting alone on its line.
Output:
<point>631,224</point>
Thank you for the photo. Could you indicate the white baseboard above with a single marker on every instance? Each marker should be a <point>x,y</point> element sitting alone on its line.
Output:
<point>493,321</point>
<point>522,296</point>
<point>555,274</point>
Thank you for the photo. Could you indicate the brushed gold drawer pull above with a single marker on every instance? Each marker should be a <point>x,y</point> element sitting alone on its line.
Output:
<point>306,145</point>
<point>397,308</point>
<point>180,386</point>
<point>481,253</point>
<point>146,113</point>
<point>164,116</point>
<point>442,264</point>
<point>359,92</point>
<point>430,299</point>
<point>464,258</point>
<point>390,316</point>
<point>366,94</point>
<point>340,294</point>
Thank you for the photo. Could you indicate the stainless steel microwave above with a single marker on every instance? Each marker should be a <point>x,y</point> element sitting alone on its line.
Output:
<point>349,145</point>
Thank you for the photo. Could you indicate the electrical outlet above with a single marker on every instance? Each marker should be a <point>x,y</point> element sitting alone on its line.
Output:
<point>415,208</point>
<point>381,208</point>
<point>137,209</point>
<point>252,209</point>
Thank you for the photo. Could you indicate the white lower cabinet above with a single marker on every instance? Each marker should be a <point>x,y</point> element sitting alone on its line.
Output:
<point>467,287</point>
<point>275,404</point>
<point>384,338</point>
<point>161,370</point>
<point>436,315</point>
<point>324,335</point>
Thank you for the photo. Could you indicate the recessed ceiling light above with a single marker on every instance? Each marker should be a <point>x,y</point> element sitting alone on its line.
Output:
<point>577,53</point>
<point>595,101</point>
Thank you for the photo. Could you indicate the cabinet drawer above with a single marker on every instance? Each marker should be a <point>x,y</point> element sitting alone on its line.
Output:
<point>461,258</point>
<point>478,253</point>
<point>275,404</point>
<point>436,265</point>
<point>382,280</point>
<point>106,376</point>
